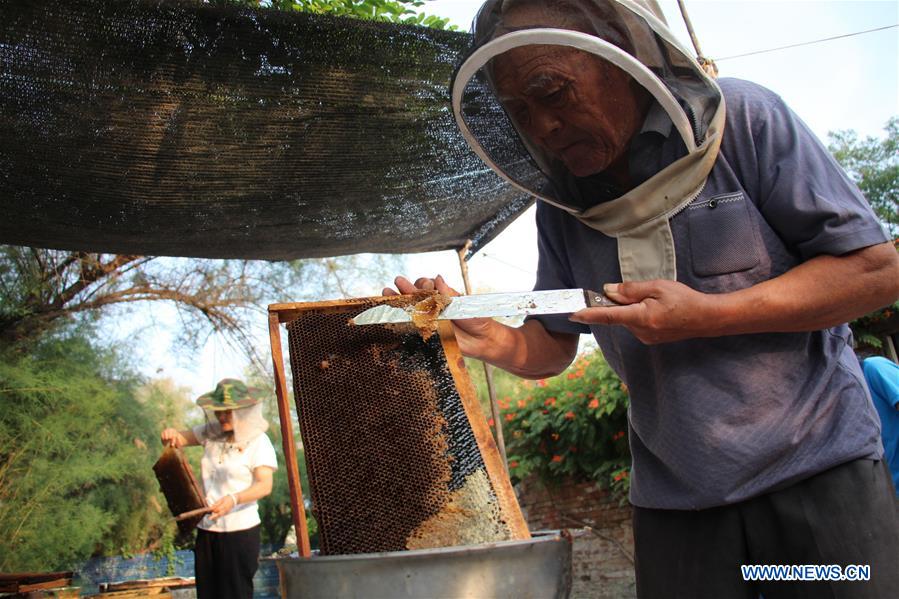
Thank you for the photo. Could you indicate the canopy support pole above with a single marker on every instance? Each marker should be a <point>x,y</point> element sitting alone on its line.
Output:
<point>891,348</point>
<point>488,369</point>
<point>708,65</point>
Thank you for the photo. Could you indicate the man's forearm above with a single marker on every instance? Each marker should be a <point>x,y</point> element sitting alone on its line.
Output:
<point>528,351</point>
<point>820,293</point>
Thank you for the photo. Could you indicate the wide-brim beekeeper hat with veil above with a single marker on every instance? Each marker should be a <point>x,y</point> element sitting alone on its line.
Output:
<point>633,36</point>
<point>245,404</point>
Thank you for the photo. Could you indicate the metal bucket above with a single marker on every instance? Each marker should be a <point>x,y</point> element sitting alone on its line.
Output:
<point>538,568</point>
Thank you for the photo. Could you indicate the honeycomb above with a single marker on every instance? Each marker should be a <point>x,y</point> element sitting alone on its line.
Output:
<point>392,460</point>
<point>179,486</point>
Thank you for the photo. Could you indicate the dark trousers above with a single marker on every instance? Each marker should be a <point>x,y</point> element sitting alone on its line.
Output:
<point>225,562</point>
<point>846,515</point>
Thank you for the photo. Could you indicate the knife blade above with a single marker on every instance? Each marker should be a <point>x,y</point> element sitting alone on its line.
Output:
<point>557,301</point>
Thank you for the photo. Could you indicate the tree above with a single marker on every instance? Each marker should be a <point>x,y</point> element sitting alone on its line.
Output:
<point>76,452</point>
<point>275,509</point>
<point>395,11</point>
<point>873,164</point>
<point>42,290</point>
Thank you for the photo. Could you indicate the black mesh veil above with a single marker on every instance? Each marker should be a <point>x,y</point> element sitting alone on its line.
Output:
<point>623,36</point>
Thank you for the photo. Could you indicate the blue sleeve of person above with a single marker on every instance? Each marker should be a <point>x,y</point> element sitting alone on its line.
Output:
<point>882,376</point>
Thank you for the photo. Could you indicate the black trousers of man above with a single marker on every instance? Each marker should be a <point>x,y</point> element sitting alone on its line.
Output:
<point>844,516</point>
<point>225,562</point>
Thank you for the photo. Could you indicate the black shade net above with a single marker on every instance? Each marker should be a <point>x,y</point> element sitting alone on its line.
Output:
<point>188,129</point>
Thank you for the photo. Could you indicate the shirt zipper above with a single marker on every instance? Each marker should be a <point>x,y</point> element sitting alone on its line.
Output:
<point>689,201</point>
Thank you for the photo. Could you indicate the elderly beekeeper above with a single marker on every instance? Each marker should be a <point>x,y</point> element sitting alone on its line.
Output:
<point>738,250</point>
<point>237,467</point>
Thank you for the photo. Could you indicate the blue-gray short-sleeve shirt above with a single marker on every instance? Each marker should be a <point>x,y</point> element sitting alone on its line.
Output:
<point>719,420</point>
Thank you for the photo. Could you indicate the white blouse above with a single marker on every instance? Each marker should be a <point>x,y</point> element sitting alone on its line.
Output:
<point>228,469</point>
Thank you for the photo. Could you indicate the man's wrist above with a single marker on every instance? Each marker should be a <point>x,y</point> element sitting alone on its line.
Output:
<point>728,313</point>
<point>496,344</point>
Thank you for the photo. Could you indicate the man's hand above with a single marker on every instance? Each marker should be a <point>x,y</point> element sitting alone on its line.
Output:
<point>820,293</point>
<point>472,334</point>
<point>657,311</point>
<point>529,351</point>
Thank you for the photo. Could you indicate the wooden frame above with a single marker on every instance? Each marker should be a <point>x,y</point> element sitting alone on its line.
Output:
<point>287,312</point>
<point>183,493</point>
<point>297,510</point>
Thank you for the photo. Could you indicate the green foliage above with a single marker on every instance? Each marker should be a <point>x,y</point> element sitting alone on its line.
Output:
<point>274,510</point>
<point>873,164</point>
<point>870,329</point>
<point>75,468</point>
<point>504,383</point>
<point>572,425</point>
<point>394,11</point>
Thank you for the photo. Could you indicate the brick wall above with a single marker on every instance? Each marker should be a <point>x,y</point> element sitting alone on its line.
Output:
<point>602,565</point>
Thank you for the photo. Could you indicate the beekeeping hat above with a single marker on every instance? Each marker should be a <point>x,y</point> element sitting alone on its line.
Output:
<point>229,394</point>
<point>632,36</point>
<point>246,410</point>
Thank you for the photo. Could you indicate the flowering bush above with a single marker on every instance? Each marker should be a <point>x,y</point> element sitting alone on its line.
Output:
<point>572,425</point>
<point>870,329</point>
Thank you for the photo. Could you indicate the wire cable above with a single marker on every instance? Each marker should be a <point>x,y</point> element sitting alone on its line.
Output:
<point>826,39</point>
<point>509,264</point>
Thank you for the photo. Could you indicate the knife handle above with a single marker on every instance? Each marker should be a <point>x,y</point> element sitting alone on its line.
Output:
<point>595,299</point>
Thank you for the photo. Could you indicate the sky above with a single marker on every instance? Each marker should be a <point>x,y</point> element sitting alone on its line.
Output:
<point>848,83</point>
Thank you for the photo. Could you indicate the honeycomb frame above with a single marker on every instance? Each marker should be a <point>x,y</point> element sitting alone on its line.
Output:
<point>436,479</point>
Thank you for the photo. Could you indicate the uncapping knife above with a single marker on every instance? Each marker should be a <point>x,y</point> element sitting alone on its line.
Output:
<point>557,301</point>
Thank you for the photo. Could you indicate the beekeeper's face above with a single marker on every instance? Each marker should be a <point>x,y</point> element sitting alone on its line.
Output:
<point>577,107</point>
<point>225,420</point>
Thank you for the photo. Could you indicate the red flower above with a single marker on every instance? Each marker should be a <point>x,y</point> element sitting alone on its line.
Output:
<point>541,383</point>
<point>490,423</point>
<point>510,416</point>
<point>569,415</point>
<point>557,458</point>
<point>522,403</point>
<point>513,464</point>
<point>594,403</point>
<point>550,402</point>
<point>620,476</point>
<point>571,376</point>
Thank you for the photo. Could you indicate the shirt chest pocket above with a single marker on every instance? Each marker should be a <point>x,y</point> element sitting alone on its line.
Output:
<point>723,236</point>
